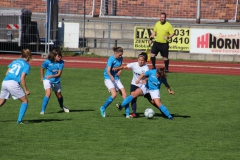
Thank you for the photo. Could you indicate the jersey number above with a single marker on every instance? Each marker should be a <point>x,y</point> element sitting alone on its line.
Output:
<point>15,69</point>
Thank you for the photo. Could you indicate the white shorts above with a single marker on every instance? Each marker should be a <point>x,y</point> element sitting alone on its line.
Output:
<point>55,87</point>
<point>154,93</point>
<point>11,88</point>
<point>117,84</point>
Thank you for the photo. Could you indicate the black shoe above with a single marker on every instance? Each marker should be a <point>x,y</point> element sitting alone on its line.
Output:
<point>153,67</point>
<point>167,71</point>
<point>119,106</point>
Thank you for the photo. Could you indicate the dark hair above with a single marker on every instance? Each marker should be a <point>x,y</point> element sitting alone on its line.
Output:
<point>26,53</point>
<point>144,55</point>
<point>53,54</point>
<point>164,14</point>
<point>117,49</point>
<point>161,72</point>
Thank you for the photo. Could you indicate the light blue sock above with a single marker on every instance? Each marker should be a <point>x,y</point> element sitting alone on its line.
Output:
<point>22,111</point>
<point>107,102</point>
<point>165,111</point>
<point>127,110</point>
<point>127,100</point>
<point>44,103</point>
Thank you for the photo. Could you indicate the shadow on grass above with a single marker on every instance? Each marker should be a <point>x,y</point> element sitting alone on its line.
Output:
<point>38,120</point>
<point>77,110</point>
<point>72,110</point>
<point>139,115</point>
<point>44,120</point>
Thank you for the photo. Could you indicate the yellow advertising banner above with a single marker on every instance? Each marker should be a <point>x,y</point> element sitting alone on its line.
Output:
<point>179,42</point>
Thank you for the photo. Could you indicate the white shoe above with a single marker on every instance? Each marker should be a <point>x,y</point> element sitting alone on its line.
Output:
<point>65,109</point>
<point>42,113</point>
<point>130,116</point>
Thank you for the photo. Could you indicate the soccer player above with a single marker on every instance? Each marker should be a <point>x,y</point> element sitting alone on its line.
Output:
<point>138,68</point>
<point>112,80</point>
<point>16,73</point>
<point>163,31</point>
<point>156,77</point>
<point>51,80</point>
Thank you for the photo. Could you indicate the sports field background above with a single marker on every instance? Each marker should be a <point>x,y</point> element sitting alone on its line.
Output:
<point>206,125</point>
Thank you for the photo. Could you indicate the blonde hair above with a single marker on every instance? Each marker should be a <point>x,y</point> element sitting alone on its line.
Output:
<point>27,54</point>
<point>117,49</point>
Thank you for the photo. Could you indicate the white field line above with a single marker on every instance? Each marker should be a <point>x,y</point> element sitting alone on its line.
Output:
<point>100,62</point>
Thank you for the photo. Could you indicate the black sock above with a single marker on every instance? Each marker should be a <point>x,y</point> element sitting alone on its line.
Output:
<point>166,64</point>
<point>153,59</point>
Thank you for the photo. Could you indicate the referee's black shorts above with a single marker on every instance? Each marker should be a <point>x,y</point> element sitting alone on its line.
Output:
<point>160,47</point>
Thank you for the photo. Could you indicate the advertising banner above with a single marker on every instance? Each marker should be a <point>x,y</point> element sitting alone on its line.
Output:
<point>179,42</point>
<point>215,41</point>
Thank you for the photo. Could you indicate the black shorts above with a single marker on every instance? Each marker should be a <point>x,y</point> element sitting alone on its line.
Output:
<point>160,47</point>
<point>133,88</point>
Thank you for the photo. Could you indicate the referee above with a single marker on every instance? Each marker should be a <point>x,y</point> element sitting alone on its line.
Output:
<point>162,32</point>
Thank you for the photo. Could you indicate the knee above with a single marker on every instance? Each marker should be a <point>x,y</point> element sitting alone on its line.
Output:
<point>114,95</point>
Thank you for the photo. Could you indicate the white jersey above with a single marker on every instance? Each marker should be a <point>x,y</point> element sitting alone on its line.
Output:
<point>137,71</point>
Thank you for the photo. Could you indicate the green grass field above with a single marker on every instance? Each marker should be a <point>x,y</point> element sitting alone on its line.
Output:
<point>206,125</point>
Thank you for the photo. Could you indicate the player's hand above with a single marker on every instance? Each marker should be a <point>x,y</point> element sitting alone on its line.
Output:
<point>114,69</point>
<point>150,42</point>
<point>166,38</point>
<point>171,92</point>
<point>112,78</point>
<point>27,92</point>
<point>137,81</point>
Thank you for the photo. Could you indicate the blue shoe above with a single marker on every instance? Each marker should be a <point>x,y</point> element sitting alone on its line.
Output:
<point>102,111</point>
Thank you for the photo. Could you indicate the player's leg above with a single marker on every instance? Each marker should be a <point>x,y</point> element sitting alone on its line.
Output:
<point>155,95</point>
<point>149,98</point>
<point>123,93</point>
<point>154,53</point>
<point>2,101</point>
<point>164,53</point>
<point>23,109</point>
<point>57,88</point>
<point>4,95</point>
<point>47,86</point>
<point>134,101</point>
<point>111,88</point>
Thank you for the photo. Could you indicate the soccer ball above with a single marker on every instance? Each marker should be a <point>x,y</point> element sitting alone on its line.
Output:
<point>149,113</point>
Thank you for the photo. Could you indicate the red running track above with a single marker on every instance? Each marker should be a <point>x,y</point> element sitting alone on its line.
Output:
<point>222,68</point>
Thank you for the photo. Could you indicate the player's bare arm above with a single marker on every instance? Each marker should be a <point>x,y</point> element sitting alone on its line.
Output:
<point>7,71</point>
<point>109,73</point>
<point>41,73</point>
<point>169,89</point>
<point>23,82</point>
<point>152,37</point>
<point>56,75</point>
<point>139,78</point>
<point>119,68</point>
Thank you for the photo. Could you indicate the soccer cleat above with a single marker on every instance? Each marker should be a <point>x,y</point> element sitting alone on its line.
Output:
<point>133,115</point>
<point>119,106</point>
<point>167,71</point>
<point>130,116</point>
<point>21,122</point>
<point>42,113</point>
<point>102,111</point>
<point>65,109</point>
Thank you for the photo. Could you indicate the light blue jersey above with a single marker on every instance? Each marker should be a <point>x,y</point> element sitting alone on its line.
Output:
<point>52,68</point>
<point>17,67</point>
<point>153,82</point>
<point>112,63</point>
